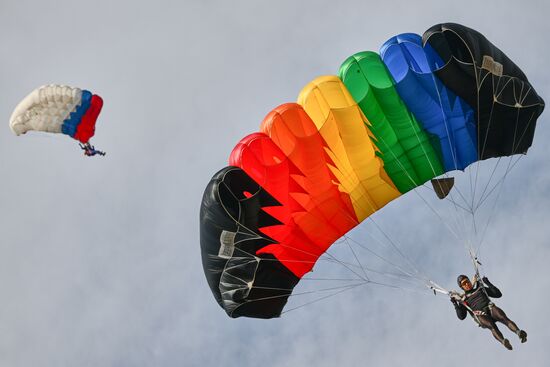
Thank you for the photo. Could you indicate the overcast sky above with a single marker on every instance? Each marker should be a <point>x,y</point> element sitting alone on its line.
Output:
<point>99,258</point>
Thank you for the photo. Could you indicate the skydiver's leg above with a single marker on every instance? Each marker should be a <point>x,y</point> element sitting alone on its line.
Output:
<point>487,322</point>
<point>500,316</point>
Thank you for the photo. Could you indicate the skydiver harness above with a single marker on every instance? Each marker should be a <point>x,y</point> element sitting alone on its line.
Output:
<point>486,311</point>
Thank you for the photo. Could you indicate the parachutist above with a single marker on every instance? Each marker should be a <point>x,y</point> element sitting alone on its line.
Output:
<point>477,303</point>
<point>89,150</point>
<point>59,109</point>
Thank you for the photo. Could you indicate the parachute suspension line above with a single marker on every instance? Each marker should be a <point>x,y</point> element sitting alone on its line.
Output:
<point>400,277</point>
<point>524,131</point>
<point>460,216</point>
<point>476,206</point>
<point>500,181</point>
<point>331,257</point>
<point>241,281</point>
<point>342,290</point>
<point>473,187</point>
<point>514,148</point>
<point>321,298</point>
<point>397,267</point>
<point>416,184</point>
<point>488,126</point>
<point>491,213</point>
<point>459,192</point>
<point>453,232</point>
<point>404,274</point>
<point>335,291</point>
<point>420,277</point>
<point>396,248</point>
<point>328,289</point>
<point>357,259</point>
<point>423,185</point>
<point>332,279</point>
<point>328,257</point>
<point>488,182</point>
<point>483,198</point>
<point>371,270</point>
<point>380,229</point>
<point>257,258</point>
<point>453,151</point>
<point>373,209</point>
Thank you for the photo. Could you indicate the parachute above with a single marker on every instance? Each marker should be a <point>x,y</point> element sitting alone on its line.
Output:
<point>58,109</point>
<point>385,125</point>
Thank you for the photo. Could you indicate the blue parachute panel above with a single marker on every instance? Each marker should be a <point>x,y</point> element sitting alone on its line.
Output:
<point>71,123</point>
<point>439,110</point>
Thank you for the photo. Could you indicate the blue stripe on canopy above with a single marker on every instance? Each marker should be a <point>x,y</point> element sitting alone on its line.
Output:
<point>438,109</point>
<point>71,123</point>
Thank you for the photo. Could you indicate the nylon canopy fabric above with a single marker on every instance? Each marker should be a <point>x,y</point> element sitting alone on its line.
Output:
<point>345,130</point>
<point>231,218</point>
<point>58,109</point>
<point>448,118</point>
<point>350,145</point>
<point>506,104</point>
<point>409,157</point>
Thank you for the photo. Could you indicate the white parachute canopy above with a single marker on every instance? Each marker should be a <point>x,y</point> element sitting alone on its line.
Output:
<point>45,109</point>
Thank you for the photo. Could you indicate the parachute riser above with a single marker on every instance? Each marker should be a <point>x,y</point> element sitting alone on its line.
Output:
<point>436,288</point>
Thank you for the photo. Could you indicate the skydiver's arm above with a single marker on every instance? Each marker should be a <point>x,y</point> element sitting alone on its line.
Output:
<point>492,291</point>
<point>461,311</point>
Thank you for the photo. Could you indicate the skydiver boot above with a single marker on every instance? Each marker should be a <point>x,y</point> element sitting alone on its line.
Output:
<point>507,344</point>
<point>522,335</point>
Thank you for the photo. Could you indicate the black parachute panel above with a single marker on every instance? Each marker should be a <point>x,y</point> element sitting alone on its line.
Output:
<point>506,104</point>
<point>243,283</point>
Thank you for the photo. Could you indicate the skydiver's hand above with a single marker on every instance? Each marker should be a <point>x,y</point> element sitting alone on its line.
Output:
<point>454,296</point>
<point>485,280</point>
<point>453,301</point>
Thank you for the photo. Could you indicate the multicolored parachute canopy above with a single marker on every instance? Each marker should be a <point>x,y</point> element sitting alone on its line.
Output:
<point>386,124</point>
<point>58,109</point>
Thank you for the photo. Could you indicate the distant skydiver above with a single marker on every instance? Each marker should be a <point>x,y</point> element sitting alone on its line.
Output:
<point>59,109</point>
<point>475,301</point>
<point>89,150</point>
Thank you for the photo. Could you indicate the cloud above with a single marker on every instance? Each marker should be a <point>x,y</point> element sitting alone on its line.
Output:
<point>99,258</point>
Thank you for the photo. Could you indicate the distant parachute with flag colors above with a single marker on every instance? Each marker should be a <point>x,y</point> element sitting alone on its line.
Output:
<point>58,109</point>
<point>353,142</point>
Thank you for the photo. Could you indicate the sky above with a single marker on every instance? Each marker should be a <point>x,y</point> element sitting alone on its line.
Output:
<point>100,258</point>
